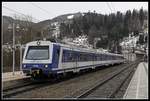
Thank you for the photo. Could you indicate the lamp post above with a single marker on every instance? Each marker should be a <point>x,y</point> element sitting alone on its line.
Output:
<point>13,48</point>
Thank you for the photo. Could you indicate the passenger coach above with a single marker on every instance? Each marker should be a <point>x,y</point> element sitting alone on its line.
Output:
<point>48,58</point>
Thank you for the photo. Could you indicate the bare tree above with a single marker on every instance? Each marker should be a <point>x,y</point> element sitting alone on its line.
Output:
<point>25,31</point>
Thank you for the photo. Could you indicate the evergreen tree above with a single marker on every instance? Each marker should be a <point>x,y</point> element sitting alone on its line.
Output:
<point>113,26</point>
<point>141,16</point>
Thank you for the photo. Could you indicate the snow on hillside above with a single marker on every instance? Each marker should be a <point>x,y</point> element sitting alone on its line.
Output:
<point>129,41</point>
<point>70,16</point>
<point>82,41</point>
<point>78,41</point>
<point>54,23</point>
<point>82,14</point>
<point>56,31</point>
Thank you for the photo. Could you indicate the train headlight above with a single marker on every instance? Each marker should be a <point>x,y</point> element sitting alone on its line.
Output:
<point>24,66</point>
<point>46,66</point>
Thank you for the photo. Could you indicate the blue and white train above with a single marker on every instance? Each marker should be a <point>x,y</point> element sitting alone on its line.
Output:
<point>48,58</point>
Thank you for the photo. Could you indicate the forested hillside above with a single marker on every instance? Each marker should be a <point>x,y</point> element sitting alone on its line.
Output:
<point>109,28</point>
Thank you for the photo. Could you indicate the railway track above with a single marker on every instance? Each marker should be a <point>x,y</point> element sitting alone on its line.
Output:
<point>23,87</point>
<point>99,84</point>
<point>112,95</point>
<point>13,91</point>
<point>30,85</point>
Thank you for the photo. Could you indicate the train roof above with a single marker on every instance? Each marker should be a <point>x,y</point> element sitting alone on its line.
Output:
<point>72,46</point>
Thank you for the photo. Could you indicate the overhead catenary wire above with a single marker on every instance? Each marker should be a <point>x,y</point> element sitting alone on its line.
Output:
<point>109,7</point>
<point>113,6</point>
<point>12,10</point>
<point>18,12</point>
<point>40,8</point>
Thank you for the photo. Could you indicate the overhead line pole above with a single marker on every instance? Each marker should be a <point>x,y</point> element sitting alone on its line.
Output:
<point>2,44</point>
<point>13,39</point>
<point>20,58</point>
<point>13,48</point>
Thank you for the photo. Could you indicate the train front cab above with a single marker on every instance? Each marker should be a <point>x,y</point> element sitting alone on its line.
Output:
<point>39,60</point>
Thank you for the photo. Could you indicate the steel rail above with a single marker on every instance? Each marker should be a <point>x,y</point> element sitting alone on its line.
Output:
<point>89,91</point>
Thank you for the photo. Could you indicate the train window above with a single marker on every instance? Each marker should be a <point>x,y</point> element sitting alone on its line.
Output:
<point>85,57</point>
<point>78,56</point>
<point>63,56</point>
<point>93,57</point>
<point>74,56</point>
<point>37,53</point>
<point>57,54</point>
<point>90,57</point>
<point>100,57</point>
<point>103,57</point>
<point>82,57</point>
<point>107,57</point>
<point>69,56</point>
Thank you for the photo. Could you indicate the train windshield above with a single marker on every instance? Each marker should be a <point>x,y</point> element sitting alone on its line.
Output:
<point>38,53</point>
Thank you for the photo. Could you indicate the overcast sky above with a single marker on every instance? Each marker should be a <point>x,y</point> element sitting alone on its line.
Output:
<point>48,10</point>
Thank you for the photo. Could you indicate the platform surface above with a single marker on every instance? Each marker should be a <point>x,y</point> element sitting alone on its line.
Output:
<point>8,76</point>
<point>138,86</point>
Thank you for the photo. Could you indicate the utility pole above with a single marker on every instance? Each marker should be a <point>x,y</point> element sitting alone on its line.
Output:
<point>13,48</point>
<point>20,57</point>
<point>2,43</point>
<point>12,27</point>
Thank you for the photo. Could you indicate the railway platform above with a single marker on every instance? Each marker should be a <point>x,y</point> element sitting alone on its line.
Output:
<point>8,76</point>
<point>138,86</point>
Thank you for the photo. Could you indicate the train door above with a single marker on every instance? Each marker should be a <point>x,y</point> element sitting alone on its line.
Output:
<point>56,55</point>
<point>76,61</point>
<point>73,58</point>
